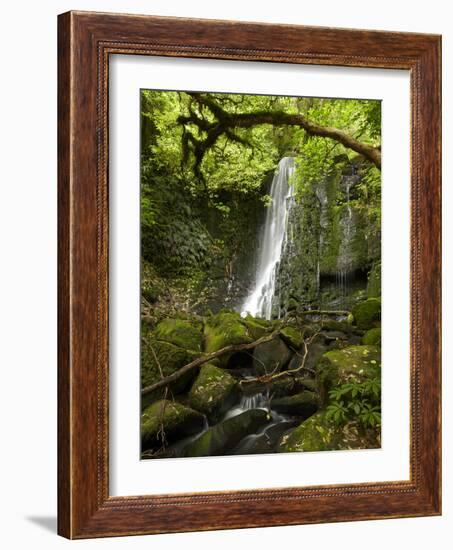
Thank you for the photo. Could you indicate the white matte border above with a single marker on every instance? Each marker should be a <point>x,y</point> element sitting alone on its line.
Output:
<point>128,474</point>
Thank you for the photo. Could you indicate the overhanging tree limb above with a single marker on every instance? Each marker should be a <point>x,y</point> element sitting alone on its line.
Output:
<point>225,123</point>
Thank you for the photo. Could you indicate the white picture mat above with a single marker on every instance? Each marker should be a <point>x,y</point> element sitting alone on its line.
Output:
<point>128,474</point>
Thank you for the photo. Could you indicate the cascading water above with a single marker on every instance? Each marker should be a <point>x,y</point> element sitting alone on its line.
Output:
<point>345,255</point>
<point>260,300</point>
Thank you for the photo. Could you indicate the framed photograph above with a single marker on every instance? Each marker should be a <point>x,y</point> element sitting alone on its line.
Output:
<point>249,275</point>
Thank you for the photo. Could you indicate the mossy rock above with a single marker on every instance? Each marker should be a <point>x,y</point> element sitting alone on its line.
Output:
<point>317,433</point>
<point>224,329</point>
<point>374,281</point>
<point>223,437</point>
<point>179,332</point>
<point>212,390</point>
<point>336,326</point>
<point>160,356</point>
<point>372,337</point>
<point>303,404</point>
<point>291,336</point>
<point>351,364</point>
<point>165,421</point>
<point>256,327</point>
<point>367,314</point>
<point>271,357</point>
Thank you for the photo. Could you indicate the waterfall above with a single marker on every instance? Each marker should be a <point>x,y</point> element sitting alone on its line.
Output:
<point>345,260</point>
<point>274,236</point>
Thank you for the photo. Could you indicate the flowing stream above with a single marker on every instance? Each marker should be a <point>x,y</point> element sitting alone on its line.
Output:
<point>274,234</point>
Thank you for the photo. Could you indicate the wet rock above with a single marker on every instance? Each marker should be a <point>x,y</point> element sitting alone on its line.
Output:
<point>166,421</point>
<point>303,404</point>
<point>271,357</point>
<point>223,437</point>
<point>315,351</point>
<point>212,391</point>
<point>266,441</point>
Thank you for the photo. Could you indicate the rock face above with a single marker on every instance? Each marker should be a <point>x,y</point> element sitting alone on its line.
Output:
<point>351,364</point>
<point>212,391</point>
<point>334,245</point>
<point>271,356</point>
<point>302,404</point>
<point>165,421</point>
<point>367,314</point>
<point>319,434</point>
<point>223,437</point>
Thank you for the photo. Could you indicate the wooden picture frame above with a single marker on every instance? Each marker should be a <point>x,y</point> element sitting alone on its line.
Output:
<point>85,42</point>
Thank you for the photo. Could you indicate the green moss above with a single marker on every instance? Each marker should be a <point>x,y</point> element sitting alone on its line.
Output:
<point>351,364</point>
<point>160,359</point>
<point>165,420</point>
<point>372,337</point>
<point>179,332</point>
<point>256,327</point>
<point>341,326</point>
<point>317,433</point>
<point>292,336</point>
<point>367,314</point>
<point>374,281</point>
<point>225,329</point>
<point>211,389</point>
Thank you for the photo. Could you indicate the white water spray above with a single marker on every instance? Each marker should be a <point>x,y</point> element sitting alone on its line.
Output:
<point>260,300</point>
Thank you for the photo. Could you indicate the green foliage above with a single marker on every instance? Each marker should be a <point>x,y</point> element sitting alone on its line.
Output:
<point>201,207</point>
<point>359,401</point>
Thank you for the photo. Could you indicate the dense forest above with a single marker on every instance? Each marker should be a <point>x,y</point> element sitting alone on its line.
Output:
<point>260,277</point>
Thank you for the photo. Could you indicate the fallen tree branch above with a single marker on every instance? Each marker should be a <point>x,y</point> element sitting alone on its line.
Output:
<point>206,358</point>
<point>268,378</point>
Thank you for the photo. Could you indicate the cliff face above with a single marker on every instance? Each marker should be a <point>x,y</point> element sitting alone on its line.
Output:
<point>333,244</point>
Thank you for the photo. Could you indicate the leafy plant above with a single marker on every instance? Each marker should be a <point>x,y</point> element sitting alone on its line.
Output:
<point>359,401</point>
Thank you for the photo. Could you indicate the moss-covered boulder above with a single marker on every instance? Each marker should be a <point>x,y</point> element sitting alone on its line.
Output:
<point>180,332</point>
<point>317,433</point>
<point>165,421</point>
<point>160,359</point>
<point>223,437</point>
<point>212,390</point>
<point>367,314</point>
<point>303,404</point>
<point>292,337</point>
<point>351,364</point>
<point>225,329</point>
<point>271,356</point>
<point>256,327</point>
<point>372,337</point>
